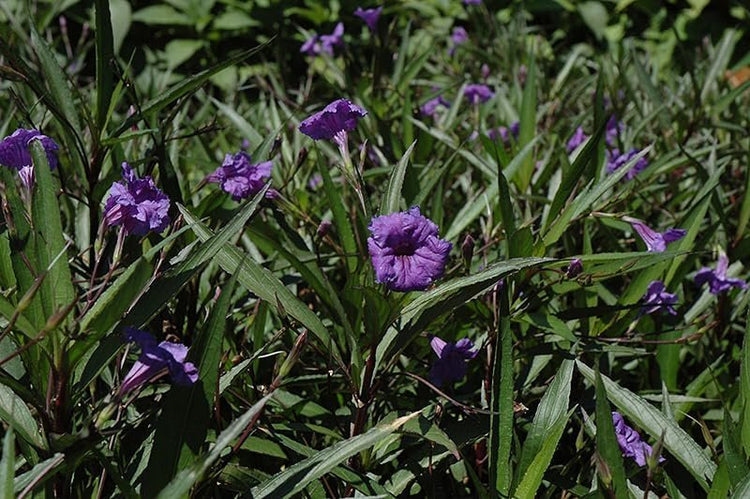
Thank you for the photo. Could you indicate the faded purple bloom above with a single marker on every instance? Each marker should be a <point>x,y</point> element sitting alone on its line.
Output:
<point>476,93</point>
<point>485,69</point>
<point>315,181</point>
<point>239,177</point>
<point>405,249</point>
<point>657,299</point>
<point>504,133</point>
<point>574,268</point>
<point>613,129</point>
<point>630,441</point>
<point>324,43</point>
<point>578,138</point>
<point>154,359</point>
<point>369,16</point>
<point>615,161</point>
<point>717,280</point>
<point>458,36</point>
<point>655,241</point>
<point>136,204</point>
<point>430,107</point>
<point>15,149</point>
<point>338,116</point>
<point>451,363</point>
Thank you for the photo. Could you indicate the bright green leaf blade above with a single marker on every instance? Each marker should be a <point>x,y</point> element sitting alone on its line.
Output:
<point>8,465</point>
<point>392,199</point>
<point>606,441</point>
<point>15,413</point>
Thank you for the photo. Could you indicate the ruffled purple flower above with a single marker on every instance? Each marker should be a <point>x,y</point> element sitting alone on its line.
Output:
<point>369,16</point>
<point>338,116</point>
<point>658,299</point>
<point>451,362</point>
<point>476,93</point>
<point>406,252</point>
<point>238,176</point>
<point>717,280</point>
<point>578,138</point>
<point>136,204</point>
<point>155,358</point>
<point>615,161</point>
<point>15,150</point>
<point>655,241</point>
<point>613,128</point>
<point>430,107</point>
<point>317,44</point>
<point>630,441</point>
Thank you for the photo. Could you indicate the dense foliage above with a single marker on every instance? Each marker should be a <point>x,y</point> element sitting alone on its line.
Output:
<point>446,249</point>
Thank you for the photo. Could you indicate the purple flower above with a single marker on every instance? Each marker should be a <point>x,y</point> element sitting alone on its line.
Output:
<point>504,133</point>
<point>574,268</point>
<point>630,441</point>
<point>615,161</point>
<point>613,129</point>
<point>430,107</point>
<point>458,37</point>
<point>369,16</point>
<point>239,177</point>
<point>15,153</point>
<point>154,359</point>
<point>485,69</point>
<point>657,299</point>
<point>451,362</point>
<point>316,180</point>
<point>478,93</point>
<point>406,252</point>
<point>136,204</point>
<point>717,280</point>
<point>338,116</point>
<point>655,241</point>
<point>472,2</point>
<point>578,138</point>
<point>324,43</point>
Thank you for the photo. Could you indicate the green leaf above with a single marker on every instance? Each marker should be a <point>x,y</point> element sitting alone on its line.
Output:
<point>743,489</point>
<point>501,420</point>
<point>646,416</point>
<point>36,476</point>
<point>243,126</point>
<point>259,280</point>
<point>181,484</point>
<point>183,424</point>
<point>295,478</point>
<point>745,390</point>
<point>527,126</point>
<point>551,411</point>
<point>606,442</point>
<point>532,478</point>
<point>8,465</point>
<point>16,414</point>
<point>57,289</point>
<point>105,57</point>
<point>340,218</point>
<point>392,199</point>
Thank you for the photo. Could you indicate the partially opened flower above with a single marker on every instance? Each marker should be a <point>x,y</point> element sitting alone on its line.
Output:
<point>15,150</point>
<point>451,362</point>
<point>136,204</point>
<point>406,252</point>
<point>156,358</point>
<point>658,299</point>
<point>476,93</point>
<point>369,16</point>
<point>655,241</point>
<point>333,123</point>
<point>238,176</point>
<point>578,138</point>
<point>717,280</point>
<point>459,36</point>
<point>615,161</point>
<point>630,441</point>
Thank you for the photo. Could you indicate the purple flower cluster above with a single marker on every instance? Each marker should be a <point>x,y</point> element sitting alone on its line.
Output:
<point>369,16</point>
<point>630,441</point>
<point>136,204</point>
<point>155,358</point>
<point>406,252</point>
<point>717,280</point>
<point>451,362</point>
<point>657,299</point>
<point>317,44</point>
<point>239,176</point>
<point>477,93</point>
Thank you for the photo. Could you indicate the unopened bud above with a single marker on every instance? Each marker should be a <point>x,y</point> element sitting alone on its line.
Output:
<point>485,71</point>
<point>467,250</point>
<point>323,228</point>
<point>294,354</point>
<point>574,269</point>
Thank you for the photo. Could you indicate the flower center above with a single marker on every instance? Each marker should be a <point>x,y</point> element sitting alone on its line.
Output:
<point>404,248</point>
